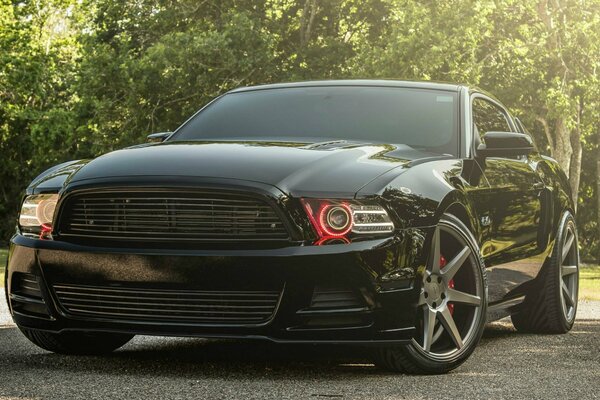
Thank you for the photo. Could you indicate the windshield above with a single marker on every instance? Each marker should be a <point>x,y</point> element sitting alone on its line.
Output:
<point>425,119</point>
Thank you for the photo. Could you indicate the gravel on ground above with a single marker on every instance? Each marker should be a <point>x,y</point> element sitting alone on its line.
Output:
<point>506,365</point>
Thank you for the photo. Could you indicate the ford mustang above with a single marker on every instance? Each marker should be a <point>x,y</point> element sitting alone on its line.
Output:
<point>396,215</point>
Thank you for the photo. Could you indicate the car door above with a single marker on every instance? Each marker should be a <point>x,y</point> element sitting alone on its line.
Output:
<point>510,207</point>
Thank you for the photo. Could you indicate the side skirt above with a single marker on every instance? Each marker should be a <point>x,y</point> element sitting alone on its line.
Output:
<point>503,308</point>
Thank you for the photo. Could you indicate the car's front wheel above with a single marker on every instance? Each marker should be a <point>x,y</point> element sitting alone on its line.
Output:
<point>77,343</point>
<point>451,307</point>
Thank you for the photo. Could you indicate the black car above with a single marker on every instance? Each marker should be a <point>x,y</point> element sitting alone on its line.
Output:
<point>398,215</point>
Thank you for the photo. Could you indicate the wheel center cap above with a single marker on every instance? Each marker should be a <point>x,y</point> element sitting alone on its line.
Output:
<point>433,290</point>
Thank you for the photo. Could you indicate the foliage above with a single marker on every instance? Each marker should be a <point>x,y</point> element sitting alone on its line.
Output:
<point>82,77</point>
<point>589,283</point>
<point>3,261</point>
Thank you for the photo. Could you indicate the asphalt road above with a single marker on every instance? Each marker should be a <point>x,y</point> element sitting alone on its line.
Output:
<point>506,365</point>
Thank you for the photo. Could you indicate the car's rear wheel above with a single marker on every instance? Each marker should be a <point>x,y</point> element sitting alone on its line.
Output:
<point>76,343</point>
<point>551,305</point>
<point>451,307</point>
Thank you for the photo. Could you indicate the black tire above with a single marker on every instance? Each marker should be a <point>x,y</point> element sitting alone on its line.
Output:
<point>76,343</point>
<point>545,309</point>
<point>414,358</point>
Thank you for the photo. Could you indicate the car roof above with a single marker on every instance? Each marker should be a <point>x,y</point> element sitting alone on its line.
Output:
<point>356,82</point>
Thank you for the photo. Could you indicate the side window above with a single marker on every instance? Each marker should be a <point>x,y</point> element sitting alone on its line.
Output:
<point>488,117</point>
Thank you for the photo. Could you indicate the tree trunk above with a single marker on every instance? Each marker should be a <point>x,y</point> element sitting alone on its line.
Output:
<point>563,150</point>
<point>307,20</point>
<point>567,146</point>
<point>575,167</point>
<point>575,170</point>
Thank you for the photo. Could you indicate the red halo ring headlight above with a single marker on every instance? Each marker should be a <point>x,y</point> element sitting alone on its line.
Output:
<point>345,219</point>
<point>335,220</point>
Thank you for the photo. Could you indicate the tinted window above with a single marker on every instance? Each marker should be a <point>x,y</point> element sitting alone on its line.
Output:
<point>416,117</point>
<point>488,117</point>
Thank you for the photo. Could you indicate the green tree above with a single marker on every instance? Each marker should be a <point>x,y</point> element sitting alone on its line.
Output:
<point>37,74</point>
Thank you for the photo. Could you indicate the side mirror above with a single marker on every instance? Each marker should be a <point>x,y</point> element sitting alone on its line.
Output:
<point>158,137</point>
<point>505,144</point>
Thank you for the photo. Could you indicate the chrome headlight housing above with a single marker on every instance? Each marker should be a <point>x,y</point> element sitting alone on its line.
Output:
<point>37,215</point>
<point>341,221</point>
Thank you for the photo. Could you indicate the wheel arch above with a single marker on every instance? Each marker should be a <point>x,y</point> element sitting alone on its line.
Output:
<point>557,182</point>
<point>458,204</point>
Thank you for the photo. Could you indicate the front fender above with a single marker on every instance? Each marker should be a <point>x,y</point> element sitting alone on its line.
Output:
<point>419,195</point>
<point>53,179</point>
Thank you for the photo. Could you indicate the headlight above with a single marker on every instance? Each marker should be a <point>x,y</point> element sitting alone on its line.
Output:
<point>37,214</point>
<point>335,219</point>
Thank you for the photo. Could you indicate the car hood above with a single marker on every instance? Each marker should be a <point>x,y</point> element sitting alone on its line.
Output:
<point>299,169</point>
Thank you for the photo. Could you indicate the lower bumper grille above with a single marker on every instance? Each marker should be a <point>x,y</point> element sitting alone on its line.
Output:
<point>169,306</point>
<point>335,298</point>
<point>26,296</point>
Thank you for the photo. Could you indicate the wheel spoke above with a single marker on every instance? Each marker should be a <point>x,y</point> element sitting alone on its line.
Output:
<point>454,265</point>
<point>456,296</point>
<point>567,294</point>
<point>568,270</point>
<point>428,327</point>
<point>434,257</point>
<point>567,246</point>
<point>448,322</point>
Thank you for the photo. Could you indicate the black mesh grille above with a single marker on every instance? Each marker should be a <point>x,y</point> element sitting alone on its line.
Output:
<point>26,296</point>
<point>175,216</point>
<point>169,306</point>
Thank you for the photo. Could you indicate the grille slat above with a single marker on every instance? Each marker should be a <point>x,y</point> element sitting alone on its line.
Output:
<point>168,203</point>
<point>177,235</point>
<point>27,285</point>
<point>333,298</point>
<point>168,310</point>
<point>169,306</point>
<point>122,291</point>
<point>183,199</point>
<point>189,226</point>
<point>141,316</point>
<point>173,215</point>
<point>144,217</point>
<point>75,301</point>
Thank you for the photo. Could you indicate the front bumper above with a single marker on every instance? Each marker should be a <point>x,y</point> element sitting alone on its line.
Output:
<point>382,274</point>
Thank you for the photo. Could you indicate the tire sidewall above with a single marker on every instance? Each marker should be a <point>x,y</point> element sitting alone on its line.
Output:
<point>555,268</point>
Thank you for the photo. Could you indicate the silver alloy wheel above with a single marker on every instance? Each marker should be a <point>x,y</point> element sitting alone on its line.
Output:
<point>436,295</point>
<point>569,272</point>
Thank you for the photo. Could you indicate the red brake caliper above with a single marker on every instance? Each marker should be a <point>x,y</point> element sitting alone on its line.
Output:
<point>443,263</point>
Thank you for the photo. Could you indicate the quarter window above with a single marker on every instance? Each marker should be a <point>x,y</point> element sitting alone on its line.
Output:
<point>488,117</point>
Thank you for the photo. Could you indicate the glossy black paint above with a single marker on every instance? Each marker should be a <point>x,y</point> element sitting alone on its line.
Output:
<point>505,144</point>
<point>512,204</point>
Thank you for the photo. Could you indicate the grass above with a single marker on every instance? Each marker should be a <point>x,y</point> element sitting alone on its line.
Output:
<point>3,257</point>
<point>589,278</point>
<point>589,282</point>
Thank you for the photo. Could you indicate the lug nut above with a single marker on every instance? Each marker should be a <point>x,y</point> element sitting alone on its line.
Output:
<point>428,279</point>
<point>426,294</point>
<point>434,305</point>
<point>443,296</point>
<point>439,279</point>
